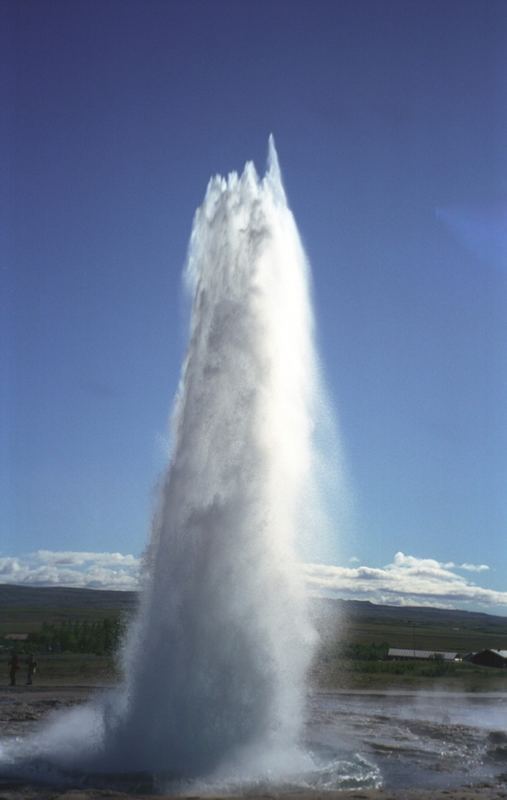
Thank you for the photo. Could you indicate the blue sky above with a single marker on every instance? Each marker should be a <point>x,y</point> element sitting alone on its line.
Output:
<point>390,120</point>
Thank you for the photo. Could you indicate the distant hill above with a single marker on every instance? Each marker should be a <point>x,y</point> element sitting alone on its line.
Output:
<point>363,611</point>
<point>409,626</point>
<point>62,599</point>
<point>23,609</point>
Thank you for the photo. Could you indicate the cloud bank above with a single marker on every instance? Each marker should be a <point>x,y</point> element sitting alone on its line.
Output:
<point>69,568</point>
<point>406,581</point>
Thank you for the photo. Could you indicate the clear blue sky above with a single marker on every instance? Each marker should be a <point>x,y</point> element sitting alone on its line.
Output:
<point>391,124</point>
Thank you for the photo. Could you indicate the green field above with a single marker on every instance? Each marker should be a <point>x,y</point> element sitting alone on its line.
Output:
<point>76,669</point>
<point>25,609</point>
<point>357,674</point>
<point>346,658</point>
<point>31,619</point>
<point>461,638</point>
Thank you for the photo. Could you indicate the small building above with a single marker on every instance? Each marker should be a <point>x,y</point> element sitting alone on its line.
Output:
<point>16,637</point>
<point>490,658</point>
<point>409,654</point>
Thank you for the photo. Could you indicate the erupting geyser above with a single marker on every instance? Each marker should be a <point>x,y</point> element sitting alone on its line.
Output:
<point>217,658</point>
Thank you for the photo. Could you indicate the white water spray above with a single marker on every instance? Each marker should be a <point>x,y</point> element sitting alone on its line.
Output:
<point>222,645</point>
<point>217,659</point>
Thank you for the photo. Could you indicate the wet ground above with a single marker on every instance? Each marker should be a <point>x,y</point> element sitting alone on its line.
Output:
<point>22,707</point>
<point>367,745</point>
<point>423,740</point>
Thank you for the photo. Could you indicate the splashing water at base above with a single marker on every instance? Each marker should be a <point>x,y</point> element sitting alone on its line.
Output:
<point>217,658</point>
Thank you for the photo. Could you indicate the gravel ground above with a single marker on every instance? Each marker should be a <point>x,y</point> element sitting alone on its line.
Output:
<point>22,707</point>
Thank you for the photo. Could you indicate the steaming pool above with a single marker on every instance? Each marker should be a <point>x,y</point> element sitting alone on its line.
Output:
<point>355,741</point>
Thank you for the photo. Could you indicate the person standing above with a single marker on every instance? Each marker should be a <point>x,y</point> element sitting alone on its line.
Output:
<point>31,666</point>
<point>13,667</point>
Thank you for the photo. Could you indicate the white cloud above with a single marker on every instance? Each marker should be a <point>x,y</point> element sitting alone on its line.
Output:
<point>9,566</point>
<point>80,558</point>
<point>407,580</point>
<point>474,567</point>
<point>72,568</point>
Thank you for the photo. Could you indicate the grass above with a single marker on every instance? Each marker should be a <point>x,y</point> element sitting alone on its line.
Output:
<point>328,673</point>
<point>420,636</point>
<point>71,669</point>
<point>29,619</point>
<point>343,673</point>
<point>333,669</point>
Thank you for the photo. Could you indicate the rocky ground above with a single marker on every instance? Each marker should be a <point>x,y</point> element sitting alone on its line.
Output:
<point>22,707</point>
<point>10,791</point>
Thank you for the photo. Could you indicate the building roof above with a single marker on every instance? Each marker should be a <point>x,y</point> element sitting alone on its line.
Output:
<point>499,653</point>
<point>397,652</point>
<point>16,637</point>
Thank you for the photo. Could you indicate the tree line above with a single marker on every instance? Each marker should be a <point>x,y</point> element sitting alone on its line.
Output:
<point>102,637</point>
<point>355,651</point>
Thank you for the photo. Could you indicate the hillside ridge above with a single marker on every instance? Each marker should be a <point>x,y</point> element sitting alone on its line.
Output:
<point>59,597</point>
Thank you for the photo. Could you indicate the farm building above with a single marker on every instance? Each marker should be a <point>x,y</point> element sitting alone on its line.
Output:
<point>16,637</point>
<point>489,658</point>
<point>408,654</point>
